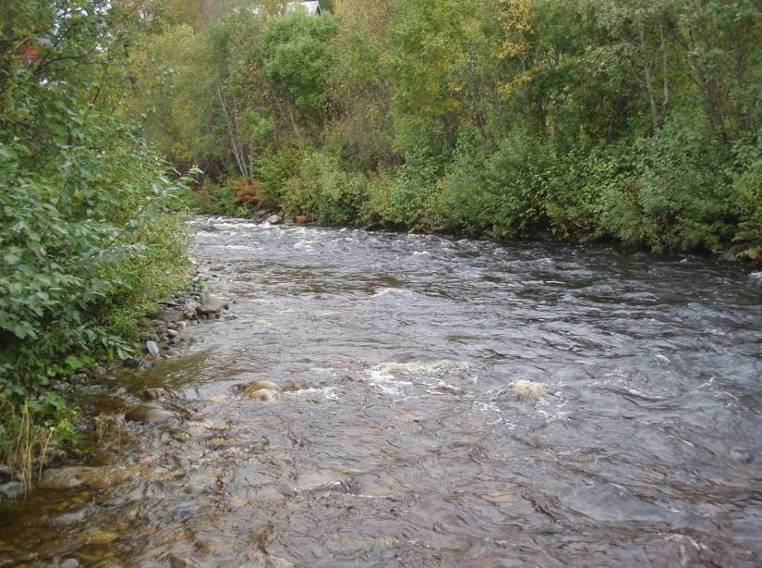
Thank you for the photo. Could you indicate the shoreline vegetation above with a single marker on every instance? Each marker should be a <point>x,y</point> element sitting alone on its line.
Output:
<point>577,121</point>
<point>506,119</point>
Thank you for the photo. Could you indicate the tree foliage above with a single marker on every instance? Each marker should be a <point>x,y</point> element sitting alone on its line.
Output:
<point>620,119</point>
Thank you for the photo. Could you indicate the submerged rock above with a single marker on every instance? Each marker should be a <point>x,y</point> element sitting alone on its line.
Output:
<point>82,476</point>
<point>147,414</point>
<point>528,390</point>
<point>261,390</point>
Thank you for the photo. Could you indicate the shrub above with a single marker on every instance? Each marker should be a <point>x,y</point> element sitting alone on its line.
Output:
<point>747,189</point>
<point>88,244</point>
<point>324,190</point>
<point>676,194</point>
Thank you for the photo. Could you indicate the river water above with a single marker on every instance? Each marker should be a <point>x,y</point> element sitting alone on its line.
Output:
<point>459,403</point>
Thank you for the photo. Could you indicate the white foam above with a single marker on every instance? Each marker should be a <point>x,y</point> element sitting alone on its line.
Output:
<point>380,292</point>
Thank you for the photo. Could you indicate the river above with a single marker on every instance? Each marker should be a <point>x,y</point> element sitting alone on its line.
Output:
<point>457,403</point>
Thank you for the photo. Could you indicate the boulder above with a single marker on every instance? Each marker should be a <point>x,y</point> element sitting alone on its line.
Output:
<point>274,219</point>
<point>528,390</point>
<point>261,390</point>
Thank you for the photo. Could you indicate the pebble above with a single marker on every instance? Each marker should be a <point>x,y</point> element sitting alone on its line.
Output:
<point>153,348</point>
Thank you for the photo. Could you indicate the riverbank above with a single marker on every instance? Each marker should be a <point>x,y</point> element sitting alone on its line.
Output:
<point>219,201</point>
<point>158,337</point>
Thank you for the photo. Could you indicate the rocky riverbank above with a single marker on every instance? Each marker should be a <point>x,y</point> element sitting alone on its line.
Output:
<point>161,338</point>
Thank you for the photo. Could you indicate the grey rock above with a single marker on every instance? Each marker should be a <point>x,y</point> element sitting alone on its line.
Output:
<point>172,333</point>
<point>275,219</point>
<point>70,563</point>
<point>153,348</point>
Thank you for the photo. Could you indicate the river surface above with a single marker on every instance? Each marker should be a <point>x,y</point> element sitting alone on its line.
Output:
<point>458,403</point>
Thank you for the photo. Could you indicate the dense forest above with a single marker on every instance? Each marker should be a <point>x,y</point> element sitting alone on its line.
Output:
<point>597,119</point>
<point>617,120</point>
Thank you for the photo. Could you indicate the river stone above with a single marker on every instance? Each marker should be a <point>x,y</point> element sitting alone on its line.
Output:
<point>209,308</point>
<point>275,219</point>
<point>528,390</point>
<point>81,476</point>
<point>170,315</point>
<point>69,563</point>
<point>261,390</point>
<point>153,348</point>
<point>148,415</point>
<point>263,394</point>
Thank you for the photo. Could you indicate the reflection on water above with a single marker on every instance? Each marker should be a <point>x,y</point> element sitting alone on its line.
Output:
<point>454,403</point>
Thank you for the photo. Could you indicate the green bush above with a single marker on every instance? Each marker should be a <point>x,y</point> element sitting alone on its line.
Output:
<point>675,196</point>
<point>747,189</point>
<point>88,243</point>
<point>322,189</point>
<point>211,198</point>
<point>273,168</point>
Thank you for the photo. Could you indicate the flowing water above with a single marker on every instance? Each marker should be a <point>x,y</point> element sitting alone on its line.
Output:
<point>460,403</point>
